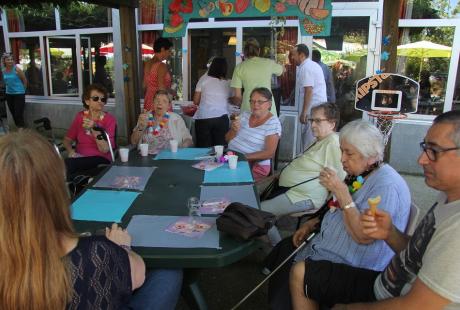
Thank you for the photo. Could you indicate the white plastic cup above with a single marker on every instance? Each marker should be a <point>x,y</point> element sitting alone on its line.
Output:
<point>144,149</point>
<point>219,149</point>
<point>232,161</point>
<point>174,144</point>
<point>124,154</point>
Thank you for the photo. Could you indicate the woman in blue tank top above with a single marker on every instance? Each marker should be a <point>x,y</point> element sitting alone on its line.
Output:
<point>16,84</point>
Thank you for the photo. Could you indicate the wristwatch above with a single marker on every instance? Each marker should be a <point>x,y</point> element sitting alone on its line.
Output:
<point>350,205</point>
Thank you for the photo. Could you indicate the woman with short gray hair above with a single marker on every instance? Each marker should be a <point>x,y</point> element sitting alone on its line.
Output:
<point>365,137</point>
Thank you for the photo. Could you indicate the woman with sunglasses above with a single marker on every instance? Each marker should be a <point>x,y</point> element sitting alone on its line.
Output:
<point>91,148</point>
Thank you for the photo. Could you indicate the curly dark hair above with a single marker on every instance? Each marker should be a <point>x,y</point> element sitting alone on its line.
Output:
<point>87,92</point>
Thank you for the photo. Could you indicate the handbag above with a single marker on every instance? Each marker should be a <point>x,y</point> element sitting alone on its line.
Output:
<point>244,222</point>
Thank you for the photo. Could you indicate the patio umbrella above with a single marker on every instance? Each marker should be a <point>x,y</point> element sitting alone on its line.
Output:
<point>108,49</point>
<point>424,49</point>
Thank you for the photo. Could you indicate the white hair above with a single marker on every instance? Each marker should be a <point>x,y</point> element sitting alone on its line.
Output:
<point>365,137</point>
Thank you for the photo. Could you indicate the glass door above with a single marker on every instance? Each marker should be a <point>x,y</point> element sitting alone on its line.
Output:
<point>206,44</point>
<point>62,72</point>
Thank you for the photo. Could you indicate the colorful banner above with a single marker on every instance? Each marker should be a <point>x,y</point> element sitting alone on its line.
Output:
<point>314,15</point>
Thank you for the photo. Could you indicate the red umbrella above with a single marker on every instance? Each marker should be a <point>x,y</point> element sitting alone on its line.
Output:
<point>108,49</point>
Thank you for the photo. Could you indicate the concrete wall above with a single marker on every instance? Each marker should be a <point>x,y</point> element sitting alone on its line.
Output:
<point>405,148</point>
<point>61,115</point>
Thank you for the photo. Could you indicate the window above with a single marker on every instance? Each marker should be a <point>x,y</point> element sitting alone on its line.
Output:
<point>429,67</point>
<point>25,18</point>
<point>27,51</point>
<point>79,15</point>
<point>431,9</point>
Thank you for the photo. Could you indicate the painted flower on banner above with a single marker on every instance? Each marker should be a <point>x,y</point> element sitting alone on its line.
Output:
<point>280,7</point>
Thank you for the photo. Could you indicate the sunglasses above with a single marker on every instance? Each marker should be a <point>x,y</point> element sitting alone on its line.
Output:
<point>97,98</point>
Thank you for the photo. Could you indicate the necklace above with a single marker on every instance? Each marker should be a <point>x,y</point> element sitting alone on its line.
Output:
<point>155,130</point>
<point>354,183</point>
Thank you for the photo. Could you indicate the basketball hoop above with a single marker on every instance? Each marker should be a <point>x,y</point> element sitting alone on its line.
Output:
<point>384,121</point>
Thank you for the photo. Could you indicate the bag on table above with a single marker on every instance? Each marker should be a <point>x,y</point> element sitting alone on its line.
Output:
<point>244,222</point>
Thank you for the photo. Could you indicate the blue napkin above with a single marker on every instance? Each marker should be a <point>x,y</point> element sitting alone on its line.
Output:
<point>224,174</point>
<point>189,153</point>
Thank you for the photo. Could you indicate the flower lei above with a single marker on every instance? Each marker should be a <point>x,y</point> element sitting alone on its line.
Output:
<point>155,131</point>
<point>354,184</point>
<point>86,114</point>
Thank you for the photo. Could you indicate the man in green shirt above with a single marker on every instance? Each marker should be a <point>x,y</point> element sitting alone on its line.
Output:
<point>253,72</point>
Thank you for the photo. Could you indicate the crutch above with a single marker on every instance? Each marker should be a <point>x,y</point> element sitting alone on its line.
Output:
<point>274,271</point>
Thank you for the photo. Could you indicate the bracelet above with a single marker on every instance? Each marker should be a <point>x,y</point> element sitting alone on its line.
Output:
<point>126,247</point>
<point>350,205</point>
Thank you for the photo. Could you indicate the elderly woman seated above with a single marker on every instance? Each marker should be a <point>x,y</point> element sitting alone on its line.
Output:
<point>256,134</point>
<point>325,152</point>
<point>158,127</point>
<point>91,148</point>
<point>341,239</point>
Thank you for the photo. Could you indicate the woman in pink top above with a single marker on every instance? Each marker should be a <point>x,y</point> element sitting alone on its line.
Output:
<point>91,148</point>
<point>156,74</point>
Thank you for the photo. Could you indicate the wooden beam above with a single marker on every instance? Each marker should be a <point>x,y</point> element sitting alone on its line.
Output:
<point>130,66</point>
<point>391,13</point>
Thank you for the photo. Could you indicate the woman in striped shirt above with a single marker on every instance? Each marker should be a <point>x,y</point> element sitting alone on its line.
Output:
<point>256,134</point>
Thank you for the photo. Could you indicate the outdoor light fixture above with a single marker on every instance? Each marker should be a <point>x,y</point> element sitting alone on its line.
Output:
<point>232,40</point>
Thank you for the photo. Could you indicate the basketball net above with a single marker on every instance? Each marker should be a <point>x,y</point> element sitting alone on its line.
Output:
<point>384,121</point>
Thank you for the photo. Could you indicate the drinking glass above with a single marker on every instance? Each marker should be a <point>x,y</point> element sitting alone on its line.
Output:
<point>193,205</point>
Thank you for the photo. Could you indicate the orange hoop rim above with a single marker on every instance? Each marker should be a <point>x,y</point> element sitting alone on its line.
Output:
<point>388,115</point>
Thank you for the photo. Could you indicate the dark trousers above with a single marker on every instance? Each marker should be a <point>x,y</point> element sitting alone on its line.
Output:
<point>279,297</point>
<point>16,104</point>
<point>211,131</point>
<point>83,166</point>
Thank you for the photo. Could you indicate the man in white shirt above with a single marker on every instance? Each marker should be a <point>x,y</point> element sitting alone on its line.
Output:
<point>310,89</point>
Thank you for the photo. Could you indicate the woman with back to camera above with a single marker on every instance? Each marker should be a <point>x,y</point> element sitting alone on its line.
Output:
<point>45,263</point>
<point>211,95</point>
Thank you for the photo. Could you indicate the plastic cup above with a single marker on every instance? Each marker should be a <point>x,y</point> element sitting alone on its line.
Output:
<point>144,149</point>
<point>219,149</point>
<point>232,161</point>
<point>124,154</point>
<point>174,144</point>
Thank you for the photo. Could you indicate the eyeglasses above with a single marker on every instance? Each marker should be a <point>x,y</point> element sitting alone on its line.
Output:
<point>97,98</point>
<point>317,120</point>
<point>258,102</point>
<point>432,153</point>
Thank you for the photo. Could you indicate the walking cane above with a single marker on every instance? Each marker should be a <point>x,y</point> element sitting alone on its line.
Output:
<point>274,271</point>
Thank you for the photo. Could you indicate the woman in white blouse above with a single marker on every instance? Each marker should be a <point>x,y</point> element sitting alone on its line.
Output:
<point>212,95</point>
<point>256,134</point>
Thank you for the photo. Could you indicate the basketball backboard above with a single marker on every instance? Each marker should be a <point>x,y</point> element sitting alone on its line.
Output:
<point>387,92</point>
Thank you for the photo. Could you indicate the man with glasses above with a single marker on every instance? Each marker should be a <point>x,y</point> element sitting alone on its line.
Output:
<point>425,274</point>
<point>310,90</point>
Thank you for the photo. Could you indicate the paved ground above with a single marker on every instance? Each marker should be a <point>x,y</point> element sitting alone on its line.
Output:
<point>224,287</point>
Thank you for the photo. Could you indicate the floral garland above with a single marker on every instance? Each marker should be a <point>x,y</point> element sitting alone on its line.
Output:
<point>354,184</point>
<point>86,114</point>
<point>155,131</point>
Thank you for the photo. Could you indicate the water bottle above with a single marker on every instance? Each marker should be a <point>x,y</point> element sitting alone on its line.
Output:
<point>193,205</point>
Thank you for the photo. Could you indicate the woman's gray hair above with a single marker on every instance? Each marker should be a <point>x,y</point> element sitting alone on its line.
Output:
<point>365,137</point>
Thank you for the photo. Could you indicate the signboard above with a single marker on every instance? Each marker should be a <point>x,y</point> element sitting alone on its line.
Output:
<point>387,92</point>
<point>314,15</point>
